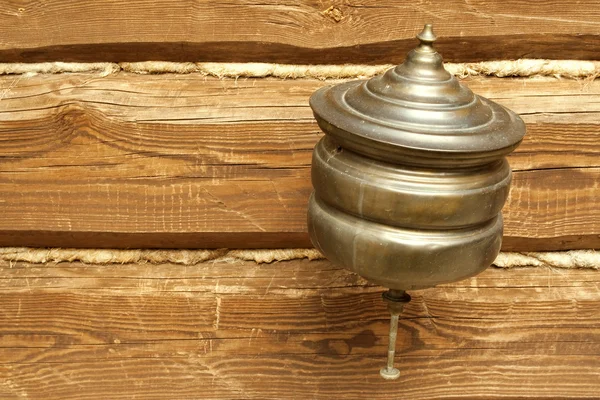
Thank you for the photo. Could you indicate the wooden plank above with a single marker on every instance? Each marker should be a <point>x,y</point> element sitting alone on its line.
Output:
<point>291,31</point>
<point>287,330</point>
<point>189,161</point>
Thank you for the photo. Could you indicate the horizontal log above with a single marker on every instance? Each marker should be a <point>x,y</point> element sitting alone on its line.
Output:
<point>294,329</point>
<point>305,32</point>
<point>188,161</point>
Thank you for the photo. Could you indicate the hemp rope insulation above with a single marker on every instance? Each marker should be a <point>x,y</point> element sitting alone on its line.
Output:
<point>572,69</point>
<point>564,259</point>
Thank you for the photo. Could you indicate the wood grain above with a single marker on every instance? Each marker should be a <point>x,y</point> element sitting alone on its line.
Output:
<point>290,330</point>
<point>291,31</point>
<point>189,161</point>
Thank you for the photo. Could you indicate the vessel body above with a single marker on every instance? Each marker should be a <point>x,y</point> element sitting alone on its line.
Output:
<point>405,227</point>
<point>411,175</point>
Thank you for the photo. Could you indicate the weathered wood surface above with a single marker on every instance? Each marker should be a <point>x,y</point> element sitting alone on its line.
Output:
<point>188,161</point>
<point>291,330</point>
<point>292,31</point>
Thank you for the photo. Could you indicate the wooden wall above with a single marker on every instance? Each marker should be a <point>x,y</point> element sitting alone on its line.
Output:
<point>188,161</point>
<point>294,31</point>
<point>291,330</point>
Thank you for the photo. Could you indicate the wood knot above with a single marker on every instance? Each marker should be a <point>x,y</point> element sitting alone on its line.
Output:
<point>342,347</point>
<point>334,13</point>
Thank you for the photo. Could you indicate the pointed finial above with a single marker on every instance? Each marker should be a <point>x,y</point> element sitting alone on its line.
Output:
<point>427,37</point>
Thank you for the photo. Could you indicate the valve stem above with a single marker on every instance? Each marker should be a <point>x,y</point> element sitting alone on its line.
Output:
<point>396,300</point>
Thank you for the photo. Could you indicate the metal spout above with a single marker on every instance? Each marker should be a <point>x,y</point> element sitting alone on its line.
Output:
<point>396,300</point>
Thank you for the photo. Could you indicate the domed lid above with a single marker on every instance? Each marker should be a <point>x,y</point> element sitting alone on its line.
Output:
<point>417,113</point>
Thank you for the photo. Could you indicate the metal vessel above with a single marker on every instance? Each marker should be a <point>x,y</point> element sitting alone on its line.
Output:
<point>410,178</point>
